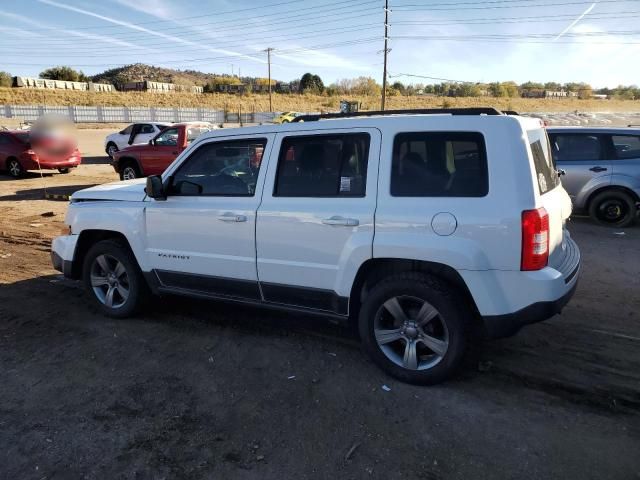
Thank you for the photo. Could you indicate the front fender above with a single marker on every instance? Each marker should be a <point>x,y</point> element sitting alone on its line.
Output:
<point>126,218</point>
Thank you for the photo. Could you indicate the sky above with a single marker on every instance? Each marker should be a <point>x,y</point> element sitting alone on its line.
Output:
<point>428,41</point>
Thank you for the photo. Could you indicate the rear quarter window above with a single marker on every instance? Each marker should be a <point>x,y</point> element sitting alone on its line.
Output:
<point>547,176</point>
<point>439,164</point>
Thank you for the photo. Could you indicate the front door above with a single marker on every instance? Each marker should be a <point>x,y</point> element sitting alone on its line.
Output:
<point>164,149</point>
<point>202,237</point>
<point>315,222</point>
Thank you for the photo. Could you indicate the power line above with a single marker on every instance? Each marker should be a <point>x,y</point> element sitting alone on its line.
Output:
<point>456,6</point>
<point>215,14</point>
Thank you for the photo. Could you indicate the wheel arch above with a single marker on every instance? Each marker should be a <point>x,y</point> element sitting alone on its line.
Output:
<point>87,239</point>
<point>618,188</point>
<point>374,270</point>
<point>125,160</point>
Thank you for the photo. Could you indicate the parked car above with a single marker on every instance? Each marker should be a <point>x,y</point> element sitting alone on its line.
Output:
<point>602,171</point>
<point>17,155</point>
<point>158,153</point>
<point>423,229</point>
<point>134,134</point>
<point>285,117</point>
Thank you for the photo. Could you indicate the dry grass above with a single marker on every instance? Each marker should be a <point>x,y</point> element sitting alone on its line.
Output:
<point>303,103</point>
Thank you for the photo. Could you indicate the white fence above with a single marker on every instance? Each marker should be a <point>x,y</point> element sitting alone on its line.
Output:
<point>134,114</point>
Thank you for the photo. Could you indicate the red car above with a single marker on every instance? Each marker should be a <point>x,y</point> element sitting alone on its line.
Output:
<point>152,159</point>
<point>17,156</point>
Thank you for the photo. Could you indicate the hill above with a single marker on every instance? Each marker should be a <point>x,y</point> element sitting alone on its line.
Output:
<point>140,71</point>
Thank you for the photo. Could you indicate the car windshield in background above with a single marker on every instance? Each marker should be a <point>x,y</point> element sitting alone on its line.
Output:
<point>547,175</point>
<point>23,137</point>
<point>195,132</point>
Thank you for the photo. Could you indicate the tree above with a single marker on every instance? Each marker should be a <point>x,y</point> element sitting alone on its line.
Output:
<point>64,73</point>
<point>366,86</point>
<point>399,87</point>
<point>311,83</point>
<point>5,79</point>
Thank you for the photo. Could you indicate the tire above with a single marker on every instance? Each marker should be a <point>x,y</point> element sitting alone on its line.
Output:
<point>113,279</point>
<point>63,171</point>
<point>613,208</point>
<point>14,167</point>
<point>129,171</point>
<point>111,149</point>
<point>444,328</point>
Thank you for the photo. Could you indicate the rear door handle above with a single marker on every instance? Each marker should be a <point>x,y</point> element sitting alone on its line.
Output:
<point>338,220</point>
<point>598,169</point>
<point>232,217</point>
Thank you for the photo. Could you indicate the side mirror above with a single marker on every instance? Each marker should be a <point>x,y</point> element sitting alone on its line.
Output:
<point>155,188</point>
<point>151,142</point>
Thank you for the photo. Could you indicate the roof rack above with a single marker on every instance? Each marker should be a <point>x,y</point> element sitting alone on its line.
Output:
<point>415,111</point>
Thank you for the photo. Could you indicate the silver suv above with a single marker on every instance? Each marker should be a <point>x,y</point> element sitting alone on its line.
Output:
<point>602,168</point>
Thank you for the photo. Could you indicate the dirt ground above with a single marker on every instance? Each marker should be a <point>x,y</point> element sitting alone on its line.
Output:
<point>200,390</point>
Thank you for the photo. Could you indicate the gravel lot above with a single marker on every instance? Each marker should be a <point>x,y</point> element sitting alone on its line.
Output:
<point>201,390</point>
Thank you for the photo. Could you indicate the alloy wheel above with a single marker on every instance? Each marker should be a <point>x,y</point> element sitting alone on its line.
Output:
<point>110,281</point>
<point>411,333</point>
<point>129,173</point>
<point>15,169</point>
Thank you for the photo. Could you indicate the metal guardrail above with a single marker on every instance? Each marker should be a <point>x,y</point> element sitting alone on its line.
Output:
<point>99,114</point>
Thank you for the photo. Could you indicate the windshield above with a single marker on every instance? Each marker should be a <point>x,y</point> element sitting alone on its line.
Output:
<point>23,137</point>
<point>547,176</point>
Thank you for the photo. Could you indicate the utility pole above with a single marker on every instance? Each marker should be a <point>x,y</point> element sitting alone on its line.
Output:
<point>386,50</point>
<point>269,50</point>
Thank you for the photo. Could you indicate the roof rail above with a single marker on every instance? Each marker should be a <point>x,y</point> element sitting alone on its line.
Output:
<point>415,111</point>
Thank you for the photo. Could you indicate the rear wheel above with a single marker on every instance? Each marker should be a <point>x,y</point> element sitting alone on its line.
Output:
<point>113,280</point>
<point>613,208</point>
<point>63,170</point>
<point>129,171</point>
<point>413,328</point>
<point>15,168</point>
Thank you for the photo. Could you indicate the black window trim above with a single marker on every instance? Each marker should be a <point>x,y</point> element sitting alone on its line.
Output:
<point>443,132</point>
<point>344,132</point>
<point>169,182</point>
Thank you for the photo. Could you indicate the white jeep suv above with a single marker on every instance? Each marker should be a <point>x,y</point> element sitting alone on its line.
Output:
<point>421,227</point>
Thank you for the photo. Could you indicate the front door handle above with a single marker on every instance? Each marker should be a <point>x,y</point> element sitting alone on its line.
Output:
<point>598,169</point>
<point>338,220</point>
<point>232,217</point>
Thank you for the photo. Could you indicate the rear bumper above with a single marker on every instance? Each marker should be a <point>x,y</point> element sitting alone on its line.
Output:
<point>47,164</point>
<point>500,326</point>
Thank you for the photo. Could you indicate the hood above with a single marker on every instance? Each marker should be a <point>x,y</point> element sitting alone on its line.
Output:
<point>128,191</point>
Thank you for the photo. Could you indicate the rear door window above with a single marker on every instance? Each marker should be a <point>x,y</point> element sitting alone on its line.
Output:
<point>332,165</point>
<point>572,147</point>
<point>442,164</point>
<point>547,176</point>
<point>626,146</point>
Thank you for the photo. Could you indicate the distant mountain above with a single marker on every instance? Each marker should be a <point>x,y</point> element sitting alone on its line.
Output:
<point>140,71</point>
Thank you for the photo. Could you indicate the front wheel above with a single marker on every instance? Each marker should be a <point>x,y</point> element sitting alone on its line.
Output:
<point>413,328</point>
<point>112,148</point>
<point>15,168</point>
<point>113,280</point>
<point>129,172</point>
<point>613,208</point>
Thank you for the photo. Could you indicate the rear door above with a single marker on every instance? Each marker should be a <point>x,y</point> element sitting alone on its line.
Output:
<point>583,156</point>
<point>627,157</point>
<point>315,222</point>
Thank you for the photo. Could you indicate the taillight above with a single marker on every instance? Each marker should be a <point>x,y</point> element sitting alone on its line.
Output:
<point>535,239</point>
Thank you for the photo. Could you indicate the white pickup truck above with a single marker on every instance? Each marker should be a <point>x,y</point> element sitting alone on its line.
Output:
<point>422,228</point>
